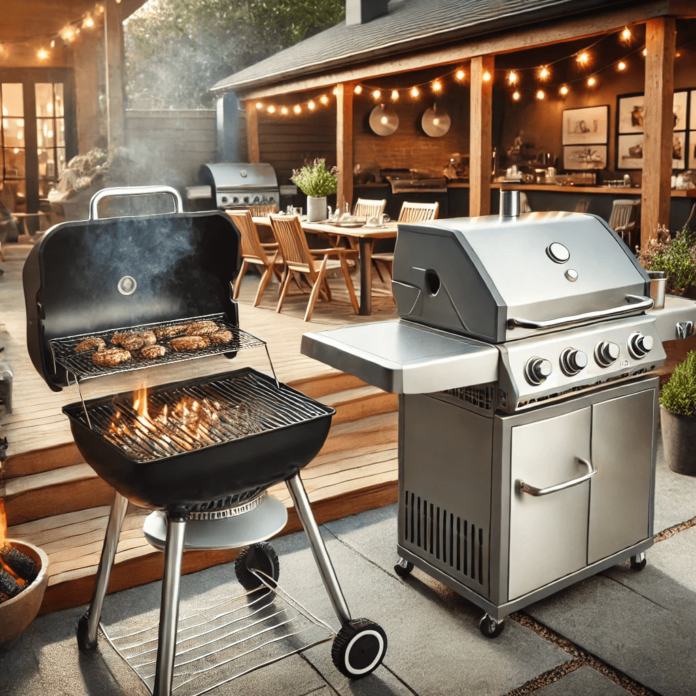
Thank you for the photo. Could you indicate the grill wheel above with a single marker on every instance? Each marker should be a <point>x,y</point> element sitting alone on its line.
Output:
<point>359,648</point>
<point>260,557</point>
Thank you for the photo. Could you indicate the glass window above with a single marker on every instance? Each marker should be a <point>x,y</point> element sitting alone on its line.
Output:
<point>45,135</point>
<point>15,163</point>
<point>59,101</point>
<point>60,153</point>
<point>13,131</point>
<point>13,100</point>
<point>60,132</point>
<point>44,99</point>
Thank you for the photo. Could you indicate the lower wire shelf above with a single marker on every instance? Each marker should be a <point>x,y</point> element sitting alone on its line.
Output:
<point>226,640</point>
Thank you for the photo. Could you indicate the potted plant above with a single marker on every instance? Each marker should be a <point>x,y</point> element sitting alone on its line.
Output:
<point>678,417</point>
<point>317,182</point>
<point>676,257</point>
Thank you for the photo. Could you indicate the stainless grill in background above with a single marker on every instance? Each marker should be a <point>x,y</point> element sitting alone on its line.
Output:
<point>524,358</point>
<point>234,185</point>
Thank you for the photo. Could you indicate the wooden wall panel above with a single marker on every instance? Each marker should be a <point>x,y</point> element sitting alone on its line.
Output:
<point>482,74</point>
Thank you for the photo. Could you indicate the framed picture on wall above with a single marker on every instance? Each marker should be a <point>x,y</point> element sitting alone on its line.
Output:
<point>586,126</point>
<point>629,151</point>
<point>692,149</point>
<point>580,157</point>
<point>692,111</point>
<point>630,109</point>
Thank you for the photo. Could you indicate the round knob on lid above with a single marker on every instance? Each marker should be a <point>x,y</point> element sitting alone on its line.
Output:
<point>639,345</point>
<point>573,361</point>
<point>537,370</point>
<point>606,353</point>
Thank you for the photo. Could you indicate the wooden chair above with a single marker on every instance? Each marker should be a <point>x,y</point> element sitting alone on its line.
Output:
<point>410,212</point>
<point>625,217</point>
<point>368,208</point>
<point>299,258</point>
<point>263,210</point>
<point>255,252</point>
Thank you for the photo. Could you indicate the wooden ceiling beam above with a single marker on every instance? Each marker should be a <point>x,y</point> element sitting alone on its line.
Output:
<point>507,42</point>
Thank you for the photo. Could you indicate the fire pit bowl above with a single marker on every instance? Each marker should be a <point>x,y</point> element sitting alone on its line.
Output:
<point>17,613</point>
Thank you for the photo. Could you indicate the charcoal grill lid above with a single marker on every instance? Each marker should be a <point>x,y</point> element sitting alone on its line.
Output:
<point>90,276</point>
<point>404,358</point>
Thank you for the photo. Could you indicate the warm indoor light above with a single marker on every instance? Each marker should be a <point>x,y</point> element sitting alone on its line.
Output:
<point>677,54</point>
<point>100,9</point>
<point>564,90</point>
<point>592,82</point>
<point>297,109</point>
<point>259,105</point>
<point>335,91</point>
<point>583,58</point>
<point>324,99</point>
<point>516,96</point>
<point>89,22</point>
<point>271,109</point>
<point>394,95</point>
<point>358,89</point>
<point>376,94</point>
<point>437,86</point>
<point>645,52</point>
<point>384,120</point>
<point>311,105</point>
<point>53,43</point>
<point>67,34</point>
<point>626,34</point>
<point>415,92</point>
<point>284,111</point>
<point>460,74</point>
<point>544,73</point>
<point>42,54</point>
<point>621,65</point>
<point>486,76</point>
<point>512,77</point>
<point>540,94</point>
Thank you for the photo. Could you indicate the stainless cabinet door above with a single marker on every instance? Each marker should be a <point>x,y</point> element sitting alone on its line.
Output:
<point>622,444</point>
<point>548,534</point>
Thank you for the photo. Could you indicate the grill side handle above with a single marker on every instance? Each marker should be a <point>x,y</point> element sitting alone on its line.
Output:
<point>533,490</point>
<point>635,303</point>
<point>133,191</point>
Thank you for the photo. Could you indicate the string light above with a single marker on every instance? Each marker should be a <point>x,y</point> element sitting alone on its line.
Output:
<point>42,54</point>
<point>583,58</point>
<point>621,65</point>
<point>271,109</point>
<point>540,94</point>
<point>486,76</point>
<point>645,52</point>
<point>53,43</point>
<point>297,109</point>
<point>376,94</point>
<point>544,73</point>
<point>358,89</point>
<point>335,91</point>
<point>415,92</point>
<point>516,96</point>
<point>394,95</point>
<point>437,86</point>
<point>284,111</point>
<point>512,77</point>
<point>89,22</point>
<point>311,106</point>
<point>324,99</point>
<point>592,82</point>
<point>259,105</point>
<point>626,34</point>
<point>564,90</point>
<point>460,75</point>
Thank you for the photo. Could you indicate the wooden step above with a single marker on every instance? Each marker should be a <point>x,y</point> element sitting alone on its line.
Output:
<point>337,486</point>
<point>360,402</point>
<point>365,432</point>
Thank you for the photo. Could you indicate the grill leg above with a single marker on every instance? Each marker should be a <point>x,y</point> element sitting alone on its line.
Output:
<point>169,609</point>
<point>316,543</point>
<point>88,624</point>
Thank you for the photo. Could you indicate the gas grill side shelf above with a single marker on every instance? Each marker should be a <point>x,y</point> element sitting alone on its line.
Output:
<point>404,358</point>
<point>676,320</point>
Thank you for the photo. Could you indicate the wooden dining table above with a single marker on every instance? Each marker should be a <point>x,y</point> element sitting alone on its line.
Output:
<point>366,236</point>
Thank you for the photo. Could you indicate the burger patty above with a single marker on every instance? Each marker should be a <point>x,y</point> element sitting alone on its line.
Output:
<point>171,331</point>
<point>92,343</point>
<point>186,343</point>
<point>202,328</point>
<point>152,352</point>
<point>110,357</point>
<point>220,337</point>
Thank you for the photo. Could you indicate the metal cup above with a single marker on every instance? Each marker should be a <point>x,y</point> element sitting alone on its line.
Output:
<point>658,284</point>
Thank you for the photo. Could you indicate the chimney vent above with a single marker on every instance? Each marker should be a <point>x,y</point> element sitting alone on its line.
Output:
<point>363,11</point>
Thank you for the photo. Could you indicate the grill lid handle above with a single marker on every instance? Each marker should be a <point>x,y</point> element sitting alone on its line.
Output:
<point>635,303</point>
<point>133,191</point>
<point>533,490</point>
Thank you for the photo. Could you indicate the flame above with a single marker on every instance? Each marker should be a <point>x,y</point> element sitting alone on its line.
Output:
<point>3,522</point>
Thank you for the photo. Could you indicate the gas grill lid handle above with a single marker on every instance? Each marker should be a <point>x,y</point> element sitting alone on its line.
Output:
<point>533,490</point>
<point>133,191</point>
<point>635,303</point>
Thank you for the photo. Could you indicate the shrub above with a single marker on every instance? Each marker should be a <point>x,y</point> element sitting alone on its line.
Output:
<point>315,180</point>
<point>679,393</point>
<point>676,257</point>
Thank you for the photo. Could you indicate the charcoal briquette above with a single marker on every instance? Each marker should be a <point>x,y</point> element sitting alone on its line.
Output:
<point>19,562</point>
<point>8,585</point>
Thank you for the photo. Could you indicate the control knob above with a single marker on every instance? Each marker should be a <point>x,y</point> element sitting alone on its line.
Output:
<point>246,199</point>
<point>606,353</point>
<point>537,370</point>
<point>224,199</point>
<point>234,200</point>
<point>639,345</point>
<point>573,361</point>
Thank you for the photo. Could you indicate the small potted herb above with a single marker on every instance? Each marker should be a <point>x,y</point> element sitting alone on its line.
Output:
<point>317,182</point>
<point>675,257</point>
<point>678,417</point>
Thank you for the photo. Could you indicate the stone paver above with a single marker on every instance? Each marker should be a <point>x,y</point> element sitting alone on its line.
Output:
<point>675,495</point>
<point>583,682</point>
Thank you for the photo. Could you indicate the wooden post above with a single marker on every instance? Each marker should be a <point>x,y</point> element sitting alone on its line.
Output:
<point>115,69</point>
<point>480,139</point>
<point>252,126</point>
<point>344,144</point>
<point>660,40</point>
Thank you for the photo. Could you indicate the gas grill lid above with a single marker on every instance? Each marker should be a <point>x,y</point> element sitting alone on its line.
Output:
<point>504,278</point>
<point>97,275</point>
<point>235,176</point>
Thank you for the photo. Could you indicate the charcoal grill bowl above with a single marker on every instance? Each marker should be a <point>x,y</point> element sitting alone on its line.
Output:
<point>230,468</point>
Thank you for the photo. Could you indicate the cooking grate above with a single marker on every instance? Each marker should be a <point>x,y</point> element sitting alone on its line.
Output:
<point>226,640</point>
<point>199,414</point>
<point>82,367</point>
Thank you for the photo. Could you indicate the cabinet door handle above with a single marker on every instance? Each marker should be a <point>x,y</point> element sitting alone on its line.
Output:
<point>533,490</point>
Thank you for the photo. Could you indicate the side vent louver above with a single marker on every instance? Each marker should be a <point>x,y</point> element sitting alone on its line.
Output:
<point>448,538</point>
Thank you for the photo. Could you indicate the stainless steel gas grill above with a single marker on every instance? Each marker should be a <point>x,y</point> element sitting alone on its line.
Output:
<point>201,453</point>
<point>524,360</point>
<point>240,185</point>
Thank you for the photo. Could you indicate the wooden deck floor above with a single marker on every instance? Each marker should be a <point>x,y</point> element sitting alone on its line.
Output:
<point>55,500</point>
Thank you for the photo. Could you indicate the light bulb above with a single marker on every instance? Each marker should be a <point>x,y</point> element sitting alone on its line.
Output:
<point>376,94</point>
<point>516,96</point>
<point>621,65</point>
<point>583,58</point>
<point>486,76</point>
<point>436,121</point>
<point>564,90</point>
<point>42,54</point>
<point>335,91</point>
<point>297,109</point>
<point>437,86</point>
<point>460,74</point>
<point>415,92</point>
<point>311,105</point>
<point>591,82</point>
<point>512,77</point>
<point>544,73</point>
<point>645,52</point>
<point>358,89</point>
<point>540,94</point>
<point>89,22</point>
<point>259,105</point>
<point>384,119</point>
<point>324,99</point>
<point>53,43</point>
<point>271,109</point>
<point>626,34</point>
<point>394,95</point>
<point>284,111</point>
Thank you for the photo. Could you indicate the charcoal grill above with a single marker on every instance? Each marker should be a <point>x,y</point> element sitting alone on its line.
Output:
<point>524,359</point>
<point>201,453</point>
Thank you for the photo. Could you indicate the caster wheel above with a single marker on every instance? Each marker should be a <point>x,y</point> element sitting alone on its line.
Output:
<point>639,561</point>
<point>83,641</point>
<point>261,557</point>
<point>359,648</point>
<point>491,628</point>
<point>403,568</point>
